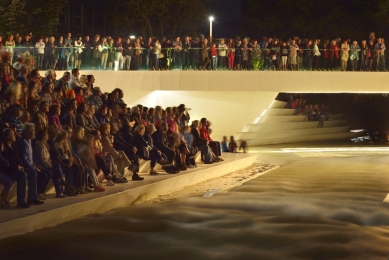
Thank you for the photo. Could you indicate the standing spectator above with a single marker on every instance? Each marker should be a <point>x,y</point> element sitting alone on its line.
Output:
<point>231,54</point>
<point>10,46</point>
<point>222,54</point>
<point>214,56</point>
<point>86,54</point>
<point>104,53</point>
<point>96,52</point>
<point>245,54</point>
<point>205,56</point>
<point>53,55</point>
<point>308,55</point>
<point>300,54</point>
<point>293,55</point>
<point>118,54</point>
<point>138,54</point>
<point>316,55</point>
<point>78,47</point>
<point>238,55</point>
<point>345,48</point>
<point>380,48</point>
<point>326,55</point>
<point>364,56</point>
<point>128,52</point>
<point>354,55</point>
<point>334,54</point>
<point>155,54</point>
<point>61,54</point>
<point>372,55</point>
<point>284,56</point>
<point>185,55</point>
<point>111,54</point>
<point>40,47</point>
<point>177,45</point>
<point>68,43</point>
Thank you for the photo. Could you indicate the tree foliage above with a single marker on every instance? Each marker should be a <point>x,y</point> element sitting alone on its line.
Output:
<point>22,16</point>
<point>157,17</point>
<point>311,18</point>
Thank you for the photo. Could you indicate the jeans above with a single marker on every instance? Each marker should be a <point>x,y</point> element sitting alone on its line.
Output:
<point>21,178</point>
<point>155,61</point>
<point>43,178</point>
<point>39,60</point>
<point>214,62</point>
<point>308,62</point>
<point>127,62</point>
<point>231,62</point>
<point>118,60</point>
<point>381,63</point>
<point>354,64</point>
<point>206,151</point>
<point>222,62</point>
<point>186,60</point>
<point>104,58</point>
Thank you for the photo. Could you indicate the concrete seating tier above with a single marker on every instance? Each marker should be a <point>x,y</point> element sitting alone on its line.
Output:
<point>57,211</point>
<point>278,124</point>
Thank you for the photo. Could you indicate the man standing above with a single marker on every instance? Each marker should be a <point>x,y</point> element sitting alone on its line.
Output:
<point>86,54</point>
<point>186,48</point>
<point>380,48</point>
<point>177,45</point>
<point>69,51</point>
<point>63,82</point>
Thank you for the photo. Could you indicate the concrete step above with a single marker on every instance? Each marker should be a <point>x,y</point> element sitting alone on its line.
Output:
<point>278,104</point>
<point>280,112</point>
<point>291,133</point>
<point>290,118</point>
<point>301,138</point>
<point>292,125</point>
<point>57,211</point>
<point>336,117</point>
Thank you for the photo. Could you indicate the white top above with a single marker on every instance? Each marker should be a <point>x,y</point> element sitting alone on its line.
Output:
<point>157,48</point>
<point>222,50</point>
<point>316,51</point>
<point>40,46</point>
<point>76,44</point>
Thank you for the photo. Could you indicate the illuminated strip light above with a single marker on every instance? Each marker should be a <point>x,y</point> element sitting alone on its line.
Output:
<point>357,130</point>
<point>343,149</point>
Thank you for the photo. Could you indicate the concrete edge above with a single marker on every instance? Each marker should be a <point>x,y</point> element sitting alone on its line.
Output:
<point>101,205</point>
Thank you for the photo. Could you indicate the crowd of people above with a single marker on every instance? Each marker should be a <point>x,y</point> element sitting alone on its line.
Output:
<point>197,53</point>
<point>67,131</point>
<point>313,112</point>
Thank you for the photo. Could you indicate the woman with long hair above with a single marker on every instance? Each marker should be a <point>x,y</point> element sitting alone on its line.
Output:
<point>9,47</point>
<point>104,53</point>
<point>119,54</point>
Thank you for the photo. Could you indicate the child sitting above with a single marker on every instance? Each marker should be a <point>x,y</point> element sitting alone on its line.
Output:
<point>232,145</point>
<point>224,145</point>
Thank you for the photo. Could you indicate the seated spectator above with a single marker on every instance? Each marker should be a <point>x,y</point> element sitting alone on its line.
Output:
<point>90,114</point>
<point>190,158</point>
<point>50,76</point>
<point>83,81</point>
<point>60,152</point>
<point>63,82</point>
<point>160,140</point>
<point>5,179</point>
<point>40,118</point>
<point>25,152</point>
<point>82,147</point>
<point>12,116</point>
<point>23,102</point>
<point>82,119</point>
<point>79,95</point>
<point>74,80</point>
<point>120,158</point>
<point>70,94</point>
<point>201,143</point>
<point>101,113</point>
<point>53,116</point>
<point>46,93</point>
<point>144,148</point>
<point>17,173</point>
<point>13,93</point>
<point>69,117</point>
<point>204,131</point>
<point>95,98</point>
<point>22,77</point>
<point>224,145</point>
<point>43,162</point>
<point>57,98</point>
<point>232,146</point>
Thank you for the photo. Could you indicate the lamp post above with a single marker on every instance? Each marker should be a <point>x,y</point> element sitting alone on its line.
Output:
<point>210,28</point>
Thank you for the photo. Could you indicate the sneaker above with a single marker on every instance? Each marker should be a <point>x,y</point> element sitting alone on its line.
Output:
<point>98,189</point>
<point>81,190</point>
<point>60,196</point>
<point>189,166</point>
<point>153,173</point>
<point>121,180</point>
<point>110,183</point>
<point>208,162</point>
<point>42,197</point>
<point>35,202</point>
<point>70,192</point>
<point>183,168</point>
<point>136,177</point>
<point>23,205</point>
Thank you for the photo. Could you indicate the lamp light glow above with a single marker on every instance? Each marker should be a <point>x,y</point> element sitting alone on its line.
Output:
<point>211,18</point>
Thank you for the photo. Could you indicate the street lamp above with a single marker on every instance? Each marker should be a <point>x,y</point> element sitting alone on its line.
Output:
<point>210,28</point>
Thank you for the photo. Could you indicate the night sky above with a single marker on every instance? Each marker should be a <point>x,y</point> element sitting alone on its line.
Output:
<point>226,10</point>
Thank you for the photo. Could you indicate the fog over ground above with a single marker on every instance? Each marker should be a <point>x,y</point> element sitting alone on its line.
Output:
<point>317,205</point>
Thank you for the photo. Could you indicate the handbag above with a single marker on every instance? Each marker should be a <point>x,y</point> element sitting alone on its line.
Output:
<point>160,56</point>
